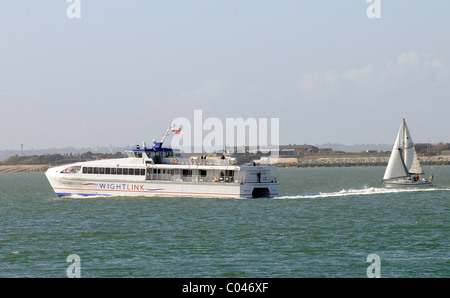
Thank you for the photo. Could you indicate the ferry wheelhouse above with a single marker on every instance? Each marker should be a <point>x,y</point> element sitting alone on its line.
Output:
<point>163,172</point>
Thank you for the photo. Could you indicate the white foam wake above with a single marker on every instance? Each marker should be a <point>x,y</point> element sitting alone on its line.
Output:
<point>357,192</point>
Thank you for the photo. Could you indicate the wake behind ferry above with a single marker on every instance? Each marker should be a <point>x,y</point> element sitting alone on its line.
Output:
<point>163,172</point>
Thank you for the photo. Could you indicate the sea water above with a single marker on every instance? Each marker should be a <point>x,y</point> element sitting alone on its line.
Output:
<point>325,223</point>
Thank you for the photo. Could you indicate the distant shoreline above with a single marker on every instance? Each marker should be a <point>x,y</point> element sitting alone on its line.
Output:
<point>286,162</point>
<point>356,161</point>
<point>23,168</point>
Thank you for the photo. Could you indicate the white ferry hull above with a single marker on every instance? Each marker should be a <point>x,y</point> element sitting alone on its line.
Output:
<point>75,187</point>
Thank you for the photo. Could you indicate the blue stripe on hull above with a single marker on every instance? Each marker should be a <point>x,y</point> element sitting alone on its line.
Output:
<point>63,194</point>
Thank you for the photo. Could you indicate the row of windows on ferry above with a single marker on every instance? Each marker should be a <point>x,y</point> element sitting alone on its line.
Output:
<point>113,171</point>
<point>139,172</point>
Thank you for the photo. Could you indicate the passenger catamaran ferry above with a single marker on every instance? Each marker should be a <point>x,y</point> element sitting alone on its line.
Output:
<point>161,171</point>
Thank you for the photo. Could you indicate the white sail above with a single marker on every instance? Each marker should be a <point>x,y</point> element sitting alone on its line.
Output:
<point>410,156</point>
<point>404,162</point>
<point>396,167</point>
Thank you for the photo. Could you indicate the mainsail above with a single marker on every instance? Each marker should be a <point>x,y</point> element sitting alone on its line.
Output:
<point>403,161</point>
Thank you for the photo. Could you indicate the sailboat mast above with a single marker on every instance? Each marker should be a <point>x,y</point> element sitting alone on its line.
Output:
<point>404,143</point>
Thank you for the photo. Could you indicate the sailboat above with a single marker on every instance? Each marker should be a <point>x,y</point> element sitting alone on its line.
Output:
<point>404,168</point>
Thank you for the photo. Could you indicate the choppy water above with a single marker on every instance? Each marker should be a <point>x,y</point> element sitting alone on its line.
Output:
<point>324,224</point>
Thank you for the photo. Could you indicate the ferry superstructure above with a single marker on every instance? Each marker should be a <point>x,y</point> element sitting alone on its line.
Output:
<point>163,172</point>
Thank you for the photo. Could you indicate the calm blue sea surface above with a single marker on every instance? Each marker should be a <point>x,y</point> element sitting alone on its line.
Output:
<point>325,223</point>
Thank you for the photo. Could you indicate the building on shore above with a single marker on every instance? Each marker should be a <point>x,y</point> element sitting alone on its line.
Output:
<point>298,149</point>
<point>422,147</point>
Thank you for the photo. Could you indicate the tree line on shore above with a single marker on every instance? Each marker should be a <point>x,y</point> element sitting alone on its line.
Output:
<point>55,159</point>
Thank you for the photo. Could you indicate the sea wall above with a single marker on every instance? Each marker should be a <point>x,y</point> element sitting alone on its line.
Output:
<point>23,168</point>
<point>343,161</point>
<point>309,161</point>
<point>315,161</point>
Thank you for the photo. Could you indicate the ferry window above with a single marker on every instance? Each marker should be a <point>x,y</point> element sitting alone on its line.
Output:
<point>119,171</point>
<point>130,171</point>
<point>95,170</point>
<point>102,170</point>
<point>137,171</point>
<point>125,171</point>
<point>154,171</point>
<point>113,171</point>
<point>89,170</point>
<point>187,173</point>
<point>142,172</point>
<point>203,173</point>
<point>107,171</point>
<point>84,170</point>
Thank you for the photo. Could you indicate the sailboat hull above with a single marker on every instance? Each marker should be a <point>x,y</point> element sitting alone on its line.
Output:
<point>408,183</point>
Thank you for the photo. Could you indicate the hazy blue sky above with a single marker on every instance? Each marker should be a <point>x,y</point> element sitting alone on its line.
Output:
<point>122,72</point>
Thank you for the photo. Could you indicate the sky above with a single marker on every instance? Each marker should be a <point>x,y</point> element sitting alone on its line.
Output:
<point>124,70</point>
